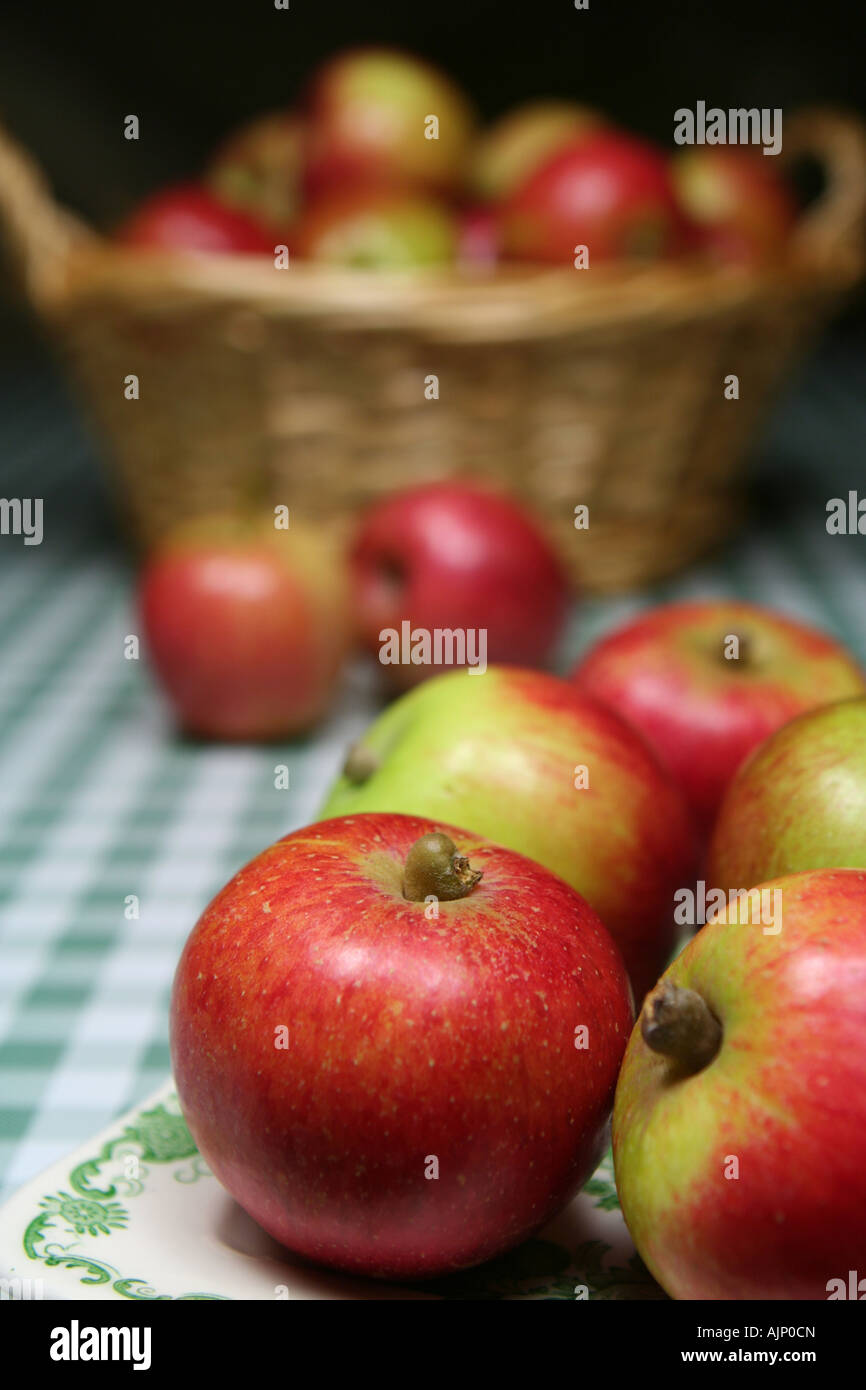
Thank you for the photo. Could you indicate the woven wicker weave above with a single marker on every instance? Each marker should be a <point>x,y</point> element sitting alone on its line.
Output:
<point>307,386</point>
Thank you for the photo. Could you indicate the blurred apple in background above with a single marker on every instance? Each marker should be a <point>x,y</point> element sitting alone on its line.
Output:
<point>188,217</point>
<point>508,151</point>
<point>258,168</point>
<point>667,673</point>
<point>741,206</point>
<point>368,115</point>
<point>246,625</point>
<point>478,237</point>
<point>374,229</point>
<point>739,1127</point>
<point>608,191</point>
<point>458,556</point>
<point>410,1035</point>
<point>526,760</point>
<point>798,803</point>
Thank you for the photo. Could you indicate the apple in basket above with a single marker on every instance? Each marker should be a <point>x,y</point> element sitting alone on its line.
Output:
<point>461,559</point>
<point>188,217</point>
<point>739,1128</point>
<point>799,802</point>
<point>376,229</point>
<point>509,150</point>
<point>742,208</point>
<point>380,116</point>
<point>396,1045</point>
<point>258,168</point>
<point>246,624</point>
<point>705,682</point>
<point>528,761</point>
<point>607,191</point>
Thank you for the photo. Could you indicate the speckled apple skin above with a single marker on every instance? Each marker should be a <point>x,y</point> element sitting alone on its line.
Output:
<point>785,1096</point>
<point>498,752</point>
<point>410,1037</point>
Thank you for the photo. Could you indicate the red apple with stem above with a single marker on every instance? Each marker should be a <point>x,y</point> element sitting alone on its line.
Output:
<point>258,168</point>
<point>246,625</point>
<point>799,801</point>
<point>528,761</point>
<point>739,1128</point>
<point>703,701</point>
<point>369,123</point>
<point>396,1045</point>
<point>376,229</point>
<point>608,191</point>
<point>524,138</point>
<point>458,556</point>
<point>741,207</point>
<point>189,218</point>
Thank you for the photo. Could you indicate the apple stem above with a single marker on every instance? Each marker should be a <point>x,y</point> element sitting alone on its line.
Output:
<point>434,868</point>
<point>361,762</point>
<point>679,1024</point>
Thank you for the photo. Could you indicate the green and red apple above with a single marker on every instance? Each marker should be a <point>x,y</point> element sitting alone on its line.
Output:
<point>739,1127</point>
<point>799,801</point>
<point>396,1045</point>
<point>707,681</point>
<point>258,168</point>
<point>377,229</point>
<point>247,625</point>
<point>377,116</point>
<point>741,207</point>
<point>509,150</point>
<point>526,760</point>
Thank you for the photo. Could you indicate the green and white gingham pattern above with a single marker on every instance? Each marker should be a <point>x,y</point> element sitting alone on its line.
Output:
<point>99,800</point>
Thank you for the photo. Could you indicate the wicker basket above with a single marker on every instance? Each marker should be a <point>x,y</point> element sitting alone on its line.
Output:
<point>307,386</point>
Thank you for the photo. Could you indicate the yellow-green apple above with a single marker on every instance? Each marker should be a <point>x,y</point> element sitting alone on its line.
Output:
<point>380,116</point>
<point>246,625</point>
<point>258,168</point>
<point>607,191</point>
<point>508,151</point>
<point>187,217</point>
<point>528,761</point>
<point>704,700</point>
<point>799,801</point>
<point>396,1045</point>
<point>376,229</point>
<point>458,557</point>
<point>739,1127</point>
<point>741,207</point>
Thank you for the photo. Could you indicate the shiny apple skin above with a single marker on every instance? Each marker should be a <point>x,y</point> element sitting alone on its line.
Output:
<point>499,752</point>
<point>665,672</point>
<point>247,626</point>
<point>189,218</point>
<point>456,555</point>
<point>785,1095</point>
<point>409,1038</point>
<point>798,803</point>
<point>608,191</point>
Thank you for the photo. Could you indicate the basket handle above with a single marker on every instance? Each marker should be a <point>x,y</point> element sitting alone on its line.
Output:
<point>38,233</point>
<point>832,231</point>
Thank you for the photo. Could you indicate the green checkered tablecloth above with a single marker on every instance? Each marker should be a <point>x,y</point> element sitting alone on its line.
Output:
<point>99,800</point>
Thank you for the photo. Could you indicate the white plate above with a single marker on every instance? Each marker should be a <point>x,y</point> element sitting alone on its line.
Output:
<point>135,1213</point>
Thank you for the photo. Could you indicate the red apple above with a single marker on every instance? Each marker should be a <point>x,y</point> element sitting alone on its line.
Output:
<point>523,139</point>
<point>258,168</point>
<point>369,124</point>
<point>799,801</point>
<point>531,763</point>
<point>741,206</point>
<point>458,556</point>
<point>667,673</point>
<point>607,191</point>
<point>246,625</point>
<point>739,1129</point>
<point>383,1058</point>
<point>190,218</point>
<point>376,230</point>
